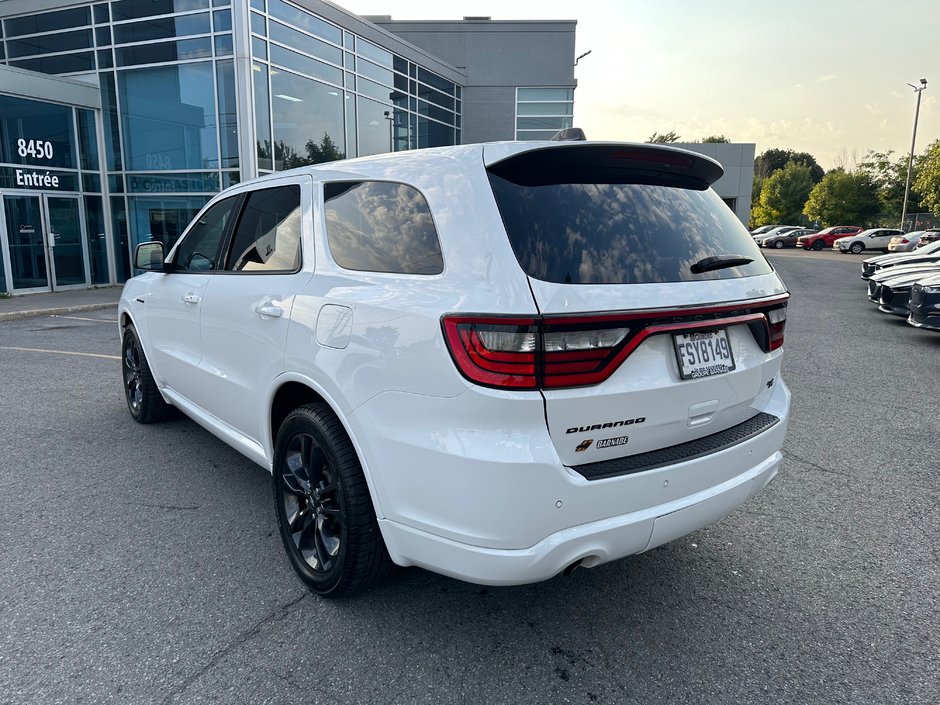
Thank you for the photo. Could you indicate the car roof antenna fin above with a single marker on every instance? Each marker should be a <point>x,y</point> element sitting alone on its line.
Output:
<point>569,134</point>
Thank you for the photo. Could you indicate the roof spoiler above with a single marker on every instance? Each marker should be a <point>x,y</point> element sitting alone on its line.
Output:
<point>611,163</point>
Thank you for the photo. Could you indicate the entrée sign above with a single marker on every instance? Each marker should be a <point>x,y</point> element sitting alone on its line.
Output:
<point>36,178</point>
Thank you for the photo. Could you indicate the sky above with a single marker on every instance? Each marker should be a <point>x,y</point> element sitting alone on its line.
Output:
<point>828,77</point>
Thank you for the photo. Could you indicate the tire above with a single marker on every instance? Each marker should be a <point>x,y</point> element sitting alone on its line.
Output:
<point>324,511</point>
<point>856,248</point>
<point>144,401</point>
<point>819,245</point>
<point>779,244</point>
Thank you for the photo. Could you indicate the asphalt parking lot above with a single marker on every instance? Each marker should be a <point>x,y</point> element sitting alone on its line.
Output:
<point>142,564</point>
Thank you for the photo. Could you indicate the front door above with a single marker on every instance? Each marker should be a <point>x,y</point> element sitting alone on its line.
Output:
<point>45,242</point>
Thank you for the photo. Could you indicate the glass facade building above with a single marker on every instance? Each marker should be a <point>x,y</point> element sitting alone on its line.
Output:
<point>192,96</point>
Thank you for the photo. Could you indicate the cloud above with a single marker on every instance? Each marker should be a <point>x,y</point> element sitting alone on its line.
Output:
<point>826,78</point>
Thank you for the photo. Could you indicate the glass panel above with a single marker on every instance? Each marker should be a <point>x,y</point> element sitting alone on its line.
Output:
<point>36,134</point>
<point>262,116</point>
<point>432,79</point>
<point>350,81</point>
<point>376,73</point>
<point>38,178</point>
<point>615,233</point>
<point>49,43</point>
<point>223,45</point>
<point>381,227</point>
<point>134,9</point>
<point>105,59</point>
<point>542,123</point>
<point>543,108</point>
<point>230,178</point>
<point>122,257</point>
<point>116,183</point>
<point>258,24</point>
<point>173,183</point>
<point>48,22</point>
<point>545,94</point>
<point>199,249</point>
<point>400,65</point>
<point>268,235</point>
<point>259,48</point>
<point>91,183</point>
<point>66,63</point>
<point>432,111</point>
<point>162,218</point>
<point>257,5</point>
<point>228,117</point>
<point>525,135</point>
<point>164,52</point>
<point>348,41</point>
<point>302,42</point>
<point>304,64</point>
<point>351,140</point>
<point>374,90</point>
<point>371,51</point>
<point>168,117</point>
<point>24,235</point>
<point>109,114</point>
<point>222,21</point>
<point>308,121</point>
<point>438,135</point>
<point>163,28</point>
<point>101,13</point>
<point>65,233</point>
<point>103,36</point>
<point>375,130</point>
<point>221,3</point>
<point>87,140</point>
<point>296,17</point>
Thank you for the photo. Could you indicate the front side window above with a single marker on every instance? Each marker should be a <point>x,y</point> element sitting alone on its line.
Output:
<point>267,237</point>
<point>198,250</point>
<point>378,226</point>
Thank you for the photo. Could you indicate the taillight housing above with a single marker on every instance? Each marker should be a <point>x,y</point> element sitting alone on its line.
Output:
<point>555,352</point>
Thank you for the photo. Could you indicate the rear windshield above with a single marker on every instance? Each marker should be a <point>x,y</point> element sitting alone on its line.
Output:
<point>621,233</point>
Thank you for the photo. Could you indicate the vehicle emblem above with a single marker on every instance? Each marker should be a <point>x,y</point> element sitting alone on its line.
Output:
<point>584,445</point>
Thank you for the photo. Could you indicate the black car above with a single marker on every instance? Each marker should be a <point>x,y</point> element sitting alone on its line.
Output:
<point>925,303</point>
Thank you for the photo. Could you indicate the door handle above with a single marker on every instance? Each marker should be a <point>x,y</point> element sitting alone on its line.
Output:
<point>191,299</point>
<point>269,310</point>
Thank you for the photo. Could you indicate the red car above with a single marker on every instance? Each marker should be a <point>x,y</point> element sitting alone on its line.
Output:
<point>824,238</point>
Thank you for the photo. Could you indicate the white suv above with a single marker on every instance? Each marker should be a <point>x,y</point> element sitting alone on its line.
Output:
<point>497,362</point>
<point>874,239</point>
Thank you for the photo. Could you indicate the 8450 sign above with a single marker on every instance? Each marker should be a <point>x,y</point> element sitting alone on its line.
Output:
<point>37,149</point>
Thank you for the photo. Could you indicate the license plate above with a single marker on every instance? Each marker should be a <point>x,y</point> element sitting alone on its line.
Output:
<point>703,354</point>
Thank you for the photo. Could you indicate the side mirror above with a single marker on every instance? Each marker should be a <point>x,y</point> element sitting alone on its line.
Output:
<point>149,256</point>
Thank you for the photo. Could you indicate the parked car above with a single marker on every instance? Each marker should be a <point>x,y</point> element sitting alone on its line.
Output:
<point>895,291</point>
<point>764,229</point>
<point>787,239</point>
<point>825,238</point>
<point>780,230</point>
<point>929,236</point>
<point>924,304</point>
<point>930,252</point>
<point>877,280</point>
<point>906,242</point>
<point>461,359</point>
<point>873,239</point>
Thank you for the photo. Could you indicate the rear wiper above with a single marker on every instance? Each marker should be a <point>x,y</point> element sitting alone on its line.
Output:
<point>719,262</point>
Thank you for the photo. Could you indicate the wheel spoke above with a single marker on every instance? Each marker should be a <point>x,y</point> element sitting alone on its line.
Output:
<point>329,538</point>
<point>293,484</point>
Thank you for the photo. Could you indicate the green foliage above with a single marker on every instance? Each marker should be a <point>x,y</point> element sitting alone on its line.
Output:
<point>927,182</point>
<point>715,139</point>
<point>843,198</point>
<point>783,194</point>
<point>286,157</point>
<point>775,159</point>
<point>889,176</point>
<point>664,138</point>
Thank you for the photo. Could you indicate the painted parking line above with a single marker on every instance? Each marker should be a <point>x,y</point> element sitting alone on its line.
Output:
<point>80,318</point>
<point>61,352</point>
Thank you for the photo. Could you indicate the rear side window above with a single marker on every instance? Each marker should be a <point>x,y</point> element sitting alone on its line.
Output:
<point>620,233</point>
<point>267,237</point>
<point>379,226</point>
<point>198,250</point>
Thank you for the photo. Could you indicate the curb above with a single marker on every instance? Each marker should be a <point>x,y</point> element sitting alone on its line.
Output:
<point>61,310</point>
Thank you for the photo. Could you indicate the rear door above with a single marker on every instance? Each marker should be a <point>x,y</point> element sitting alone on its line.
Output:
<point>654,297</point>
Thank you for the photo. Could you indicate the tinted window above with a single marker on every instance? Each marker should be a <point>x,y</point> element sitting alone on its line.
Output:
<point>621,233</point>
<point>267,237</point>
<point>198,250</point>
<point>381,227</point>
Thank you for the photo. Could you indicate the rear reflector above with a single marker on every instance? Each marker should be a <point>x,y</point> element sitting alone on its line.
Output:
<point>553,352</point>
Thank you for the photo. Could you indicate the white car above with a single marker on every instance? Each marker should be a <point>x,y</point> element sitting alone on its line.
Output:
<point>779,230</point>
<point>497,362</point>
<point>906,242</point>
<point>873,239</point>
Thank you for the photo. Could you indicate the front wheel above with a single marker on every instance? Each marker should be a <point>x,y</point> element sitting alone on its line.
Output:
<point>856,248</point>
<point>324,511</point>
<point>144,400</point>
<point>779,244</point>
<point>819,245</point>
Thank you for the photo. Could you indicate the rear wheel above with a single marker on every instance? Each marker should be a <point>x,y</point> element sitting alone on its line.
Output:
<point>779,244</point>
<point>818,245</point>
<point>144,400</point>
<point>856,248</point>
<point>324,511</point>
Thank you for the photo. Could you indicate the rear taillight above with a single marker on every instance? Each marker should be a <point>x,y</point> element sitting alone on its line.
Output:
<point>553,352</point>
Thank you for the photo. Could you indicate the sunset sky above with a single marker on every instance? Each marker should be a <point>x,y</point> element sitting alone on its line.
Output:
<point>824,76</point>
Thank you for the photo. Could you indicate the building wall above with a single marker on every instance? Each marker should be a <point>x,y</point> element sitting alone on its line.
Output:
<point>738,162</point>
<point>498,56</point>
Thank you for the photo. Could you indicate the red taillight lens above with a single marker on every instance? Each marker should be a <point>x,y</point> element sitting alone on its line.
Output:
<point>577,354</point>
<point>777,320</point>
<point>495,352</point>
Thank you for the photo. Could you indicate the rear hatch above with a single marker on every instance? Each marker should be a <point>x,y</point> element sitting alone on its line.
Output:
<point>660,319</point>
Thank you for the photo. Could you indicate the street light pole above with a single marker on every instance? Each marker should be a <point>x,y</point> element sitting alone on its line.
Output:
<point>910,158</point>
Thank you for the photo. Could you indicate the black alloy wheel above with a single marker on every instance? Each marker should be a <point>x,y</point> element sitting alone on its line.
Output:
<point>324,511</point>
<point>144,400</point>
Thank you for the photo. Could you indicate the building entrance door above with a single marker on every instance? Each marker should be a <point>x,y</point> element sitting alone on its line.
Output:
<point>45,242</point>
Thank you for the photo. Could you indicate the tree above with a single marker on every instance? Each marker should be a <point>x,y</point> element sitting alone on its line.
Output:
<point>783,195</point>
<point>927,182</point>
<point>715,139</point>
<point>843,198</point>
<point>286,157</point>
<point>775,159</point>
<point>889,176</point>
<point>665,138</point>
